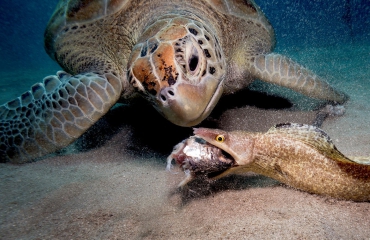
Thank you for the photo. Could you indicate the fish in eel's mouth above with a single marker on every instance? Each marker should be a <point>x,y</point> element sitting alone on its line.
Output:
<point>197,158</point>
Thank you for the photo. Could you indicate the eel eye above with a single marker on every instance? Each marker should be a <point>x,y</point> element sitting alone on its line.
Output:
<point>220,138</point>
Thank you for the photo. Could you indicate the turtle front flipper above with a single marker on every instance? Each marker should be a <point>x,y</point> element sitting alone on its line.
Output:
<point>280,70</point>
<point>54,113</point>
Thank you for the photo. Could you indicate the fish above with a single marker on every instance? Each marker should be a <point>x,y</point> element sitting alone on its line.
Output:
<point>197,157</point>
<point>298,155</point>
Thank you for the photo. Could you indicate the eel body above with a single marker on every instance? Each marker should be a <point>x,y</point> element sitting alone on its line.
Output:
<point>301,156</point>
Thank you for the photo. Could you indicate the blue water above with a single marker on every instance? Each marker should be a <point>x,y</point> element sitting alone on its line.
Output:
<point>22,28</point>
<point>318,22</point>
<point>297,23</point>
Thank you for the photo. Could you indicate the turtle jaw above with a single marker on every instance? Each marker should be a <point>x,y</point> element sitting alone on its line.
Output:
<point>187,105</point>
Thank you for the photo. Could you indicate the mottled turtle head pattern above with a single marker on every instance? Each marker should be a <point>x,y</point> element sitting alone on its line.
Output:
<point>179,67</point>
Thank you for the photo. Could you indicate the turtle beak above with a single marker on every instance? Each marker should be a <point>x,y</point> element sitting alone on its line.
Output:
<point>186,104</point>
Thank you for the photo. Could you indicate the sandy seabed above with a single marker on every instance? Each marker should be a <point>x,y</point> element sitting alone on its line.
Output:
<point>112,183</point>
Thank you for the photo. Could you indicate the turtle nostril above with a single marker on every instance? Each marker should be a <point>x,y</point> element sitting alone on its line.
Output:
<point>167,94</point>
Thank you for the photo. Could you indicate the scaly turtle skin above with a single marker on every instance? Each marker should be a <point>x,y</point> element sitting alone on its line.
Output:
<point>181,55</point>
<point>300,156</point>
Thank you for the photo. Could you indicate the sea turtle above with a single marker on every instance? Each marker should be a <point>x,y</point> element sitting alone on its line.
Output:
<point>301,156</point>
<point>180,55</point>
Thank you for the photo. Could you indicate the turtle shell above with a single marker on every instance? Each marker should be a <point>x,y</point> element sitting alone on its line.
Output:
<point>78,11</point>
<point>238,15</point>
<point>245,9</point>
<point>240,8</point>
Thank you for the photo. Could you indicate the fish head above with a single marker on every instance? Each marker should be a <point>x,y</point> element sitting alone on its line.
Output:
<point>197,157</point>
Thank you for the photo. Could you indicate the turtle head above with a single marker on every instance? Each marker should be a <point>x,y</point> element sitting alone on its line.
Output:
<point>179,67</point>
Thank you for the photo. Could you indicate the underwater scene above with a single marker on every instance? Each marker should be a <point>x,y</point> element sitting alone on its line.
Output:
<point>121,176</point>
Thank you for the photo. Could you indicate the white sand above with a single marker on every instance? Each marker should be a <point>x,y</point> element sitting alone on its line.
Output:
<point>118,191</point>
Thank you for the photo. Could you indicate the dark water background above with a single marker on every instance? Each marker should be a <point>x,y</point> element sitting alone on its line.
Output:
<point>297,23</point>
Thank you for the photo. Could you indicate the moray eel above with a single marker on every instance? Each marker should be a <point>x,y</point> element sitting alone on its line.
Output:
<point>301,156</point>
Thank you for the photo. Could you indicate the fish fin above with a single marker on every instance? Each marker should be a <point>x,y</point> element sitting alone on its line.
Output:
<point>314,137</point>
<point>188,178</point>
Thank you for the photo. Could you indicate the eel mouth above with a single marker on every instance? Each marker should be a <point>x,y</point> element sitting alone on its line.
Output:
<point>226,156</point>
<point>196,157</point>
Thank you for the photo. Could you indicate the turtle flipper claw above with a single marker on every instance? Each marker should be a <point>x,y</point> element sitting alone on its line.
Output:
<point>54,113</point>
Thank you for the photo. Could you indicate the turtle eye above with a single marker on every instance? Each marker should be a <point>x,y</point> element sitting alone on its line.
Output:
<point>220,138</point>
